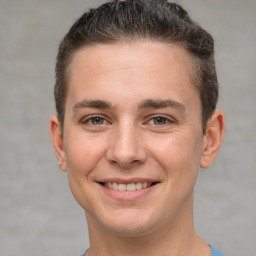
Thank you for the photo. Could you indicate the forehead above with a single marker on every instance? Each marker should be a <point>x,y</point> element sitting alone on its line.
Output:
<point>145,65</point>
<point>124,53</point>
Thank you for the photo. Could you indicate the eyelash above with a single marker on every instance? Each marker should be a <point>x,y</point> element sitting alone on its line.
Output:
<point>167,120</point>
<point>89,120</point>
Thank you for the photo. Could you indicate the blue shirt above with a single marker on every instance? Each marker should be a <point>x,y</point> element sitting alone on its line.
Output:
<point>215,252</point>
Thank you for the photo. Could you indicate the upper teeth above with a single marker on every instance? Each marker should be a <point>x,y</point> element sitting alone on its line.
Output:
<point>127,187</point>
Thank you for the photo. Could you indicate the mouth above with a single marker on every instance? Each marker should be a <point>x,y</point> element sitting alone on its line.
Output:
<point>127,187</point>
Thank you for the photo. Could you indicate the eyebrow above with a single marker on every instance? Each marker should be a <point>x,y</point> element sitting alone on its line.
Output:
<point>148,103</point>
<point>152,103</point>
<point>99,104</point>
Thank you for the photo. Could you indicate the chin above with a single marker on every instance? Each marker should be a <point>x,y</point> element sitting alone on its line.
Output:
<point>129,222</point>
<point>128,229</point>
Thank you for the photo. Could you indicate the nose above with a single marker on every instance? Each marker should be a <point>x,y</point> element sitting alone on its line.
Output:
<point>126,148</point>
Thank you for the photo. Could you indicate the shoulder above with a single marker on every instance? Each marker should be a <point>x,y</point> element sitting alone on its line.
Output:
<point>215,252</point>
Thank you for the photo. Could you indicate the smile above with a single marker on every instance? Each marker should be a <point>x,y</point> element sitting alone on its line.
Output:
<point>127,187</point>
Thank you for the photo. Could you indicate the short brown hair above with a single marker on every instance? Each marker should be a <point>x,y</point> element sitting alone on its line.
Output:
<point>131,20</point>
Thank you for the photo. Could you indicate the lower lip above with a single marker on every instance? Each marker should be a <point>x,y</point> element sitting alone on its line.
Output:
<point>127,195</point>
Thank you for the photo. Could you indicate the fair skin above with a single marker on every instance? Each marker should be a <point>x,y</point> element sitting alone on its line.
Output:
<point>132,144</point>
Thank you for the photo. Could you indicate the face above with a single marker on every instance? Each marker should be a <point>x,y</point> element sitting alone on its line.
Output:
<point>132,141</point>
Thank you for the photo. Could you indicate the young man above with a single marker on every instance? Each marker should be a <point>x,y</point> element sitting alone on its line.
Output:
<point>136,92</point>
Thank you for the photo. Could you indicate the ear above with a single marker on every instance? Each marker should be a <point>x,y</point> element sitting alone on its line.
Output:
<point>57,142</point>
<point>212,139</point>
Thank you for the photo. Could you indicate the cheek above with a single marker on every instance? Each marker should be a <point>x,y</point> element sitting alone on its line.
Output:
<point>83,153</point>
<point>178,154</point>
<point>82,156</point>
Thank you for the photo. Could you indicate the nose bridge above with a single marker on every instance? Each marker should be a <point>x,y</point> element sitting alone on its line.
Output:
<point>126,148</point>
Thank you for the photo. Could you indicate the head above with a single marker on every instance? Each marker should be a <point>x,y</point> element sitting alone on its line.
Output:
<point>125,22</point>
<point>136,92</point>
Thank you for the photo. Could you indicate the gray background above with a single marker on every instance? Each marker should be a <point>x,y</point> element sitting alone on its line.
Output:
<point>38,215</point>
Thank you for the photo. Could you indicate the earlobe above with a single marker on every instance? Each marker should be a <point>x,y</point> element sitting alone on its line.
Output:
<point>212,139</point>
<point>57,142</point>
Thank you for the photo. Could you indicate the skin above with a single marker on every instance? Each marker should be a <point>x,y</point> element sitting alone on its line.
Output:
<point>133,114</point>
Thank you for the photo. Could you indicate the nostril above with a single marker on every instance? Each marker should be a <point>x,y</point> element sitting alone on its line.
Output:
<point>125,148</point>
<point>125,163</point>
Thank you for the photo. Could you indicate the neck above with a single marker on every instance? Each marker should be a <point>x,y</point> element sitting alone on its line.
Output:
<point>176,238</point>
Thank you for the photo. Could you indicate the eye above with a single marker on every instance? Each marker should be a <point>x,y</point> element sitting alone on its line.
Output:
<point>160,121</point>
<point>95,120</point>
